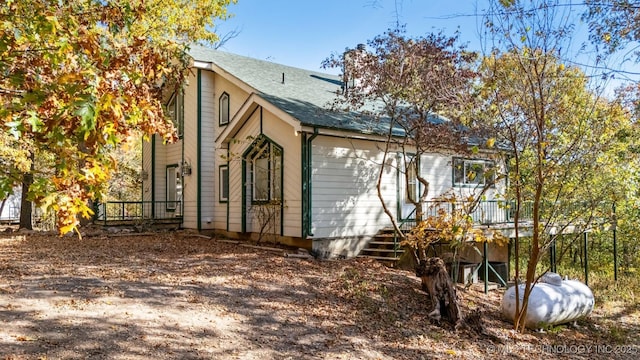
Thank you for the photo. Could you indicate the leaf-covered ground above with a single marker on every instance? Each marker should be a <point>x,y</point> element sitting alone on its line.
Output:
<point>182,296</point>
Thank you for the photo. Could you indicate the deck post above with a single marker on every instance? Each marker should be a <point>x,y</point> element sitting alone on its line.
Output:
<point>485,260</point>
<point>615,244</point>
<point>586,257</point>
<point>552,256</point>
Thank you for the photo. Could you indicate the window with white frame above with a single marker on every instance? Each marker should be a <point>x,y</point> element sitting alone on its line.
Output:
<point>468,172</point>
<point>223,109</point>
<point>175,111</point>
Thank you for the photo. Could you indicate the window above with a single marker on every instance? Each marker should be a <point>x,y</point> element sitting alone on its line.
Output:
<point>265,159</point>
<point>472,172</point>
<point>224,183</point>
<point>412,180</point>
<point>175,111</point>
<point>174,188</point>
<point>223,104</point>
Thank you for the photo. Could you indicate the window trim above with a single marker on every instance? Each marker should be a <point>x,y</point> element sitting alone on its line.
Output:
<point>172,205</point>
<point>486,164</point>
<point>224,120</point>
<point>412,158</point>
<point>275,169</point>
<point>177,116</point>
<point>223,179</point>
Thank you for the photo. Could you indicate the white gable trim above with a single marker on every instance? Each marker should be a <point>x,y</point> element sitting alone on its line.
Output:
<point>225,74</point>
<point>254,100</point>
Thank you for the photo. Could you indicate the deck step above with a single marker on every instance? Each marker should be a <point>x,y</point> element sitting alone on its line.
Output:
<point>381,243</point>
<point>380,258</point>
<point>384,250</point>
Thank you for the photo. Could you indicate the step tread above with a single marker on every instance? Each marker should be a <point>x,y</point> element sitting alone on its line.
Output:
<point>380,257</point>
<point>383,250</point>
<point>382,243</point>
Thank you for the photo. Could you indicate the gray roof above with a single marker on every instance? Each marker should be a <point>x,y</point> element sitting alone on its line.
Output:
<point>304,94</point>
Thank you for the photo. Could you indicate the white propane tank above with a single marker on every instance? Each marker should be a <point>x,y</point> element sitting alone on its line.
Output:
<point>552,301</point>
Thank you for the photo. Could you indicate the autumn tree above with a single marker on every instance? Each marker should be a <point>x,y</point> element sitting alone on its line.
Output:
<point>416,88</point>
<point>561,135</point>
<point>80,76</point>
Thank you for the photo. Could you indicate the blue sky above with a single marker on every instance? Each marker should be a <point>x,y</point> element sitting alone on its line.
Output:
<point>302,33</point>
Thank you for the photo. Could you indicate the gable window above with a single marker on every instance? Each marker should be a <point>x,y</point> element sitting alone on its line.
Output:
<point>175,111</point>
<point>223,107</point>
<point>473,172</point>
<point>224,183</point>
<point>174,188</point>
<point>265,160</point>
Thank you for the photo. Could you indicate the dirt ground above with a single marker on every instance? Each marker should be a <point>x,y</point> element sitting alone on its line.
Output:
<point>182,296</point>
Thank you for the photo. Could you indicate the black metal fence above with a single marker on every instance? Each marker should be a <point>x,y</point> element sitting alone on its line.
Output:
<point>138,210</point>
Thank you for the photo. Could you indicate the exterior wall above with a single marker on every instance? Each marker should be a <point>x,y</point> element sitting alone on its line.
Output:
<point>266,123</point>
<point>345,207</point>
<point>284,135</point>
<point>233,207</point>
<point>346,211</point>
<point>251,129</point>
<point>208,161</point>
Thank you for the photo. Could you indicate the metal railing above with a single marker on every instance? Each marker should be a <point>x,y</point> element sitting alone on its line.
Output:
<point>497,212</point>
<point>138,210</point>
<point>10,213</point>
<point>489,212</point>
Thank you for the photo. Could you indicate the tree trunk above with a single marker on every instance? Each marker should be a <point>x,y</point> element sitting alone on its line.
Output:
<point>442,293</point>
<point>25,204</point>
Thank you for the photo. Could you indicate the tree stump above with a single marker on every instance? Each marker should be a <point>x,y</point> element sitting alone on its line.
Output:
<point>442,293</point>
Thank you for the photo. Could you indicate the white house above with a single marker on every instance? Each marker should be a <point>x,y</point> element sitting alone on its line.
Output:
<point>259,152</point>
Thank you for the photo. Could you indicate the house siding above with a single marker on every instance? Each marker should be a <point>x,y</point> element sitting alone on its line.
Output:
<point>208,160</point>
<point>250,130</point>
<point>284,135</point>
<point>344,195</point>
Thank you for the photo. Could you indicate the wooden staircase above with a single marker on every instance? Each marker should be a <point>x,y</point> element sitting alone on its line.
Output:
<point>382,247</point>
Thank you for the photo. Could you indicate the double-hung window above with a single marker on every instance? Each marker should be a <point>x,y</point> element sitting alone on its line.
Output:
<point>468,172</point>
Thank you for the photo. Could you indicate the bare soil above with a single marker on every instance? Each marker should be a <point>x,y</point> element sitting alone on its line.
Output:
<point>182,296</point>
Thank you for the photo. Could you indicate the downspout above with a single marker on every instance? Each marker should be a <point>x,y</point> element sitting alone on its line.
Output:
<point>153,176</point>
<point>143,180</point>
<point>229,193</point>
<point>307,184</point>
<point>199,153</point>
<point>181,164</point>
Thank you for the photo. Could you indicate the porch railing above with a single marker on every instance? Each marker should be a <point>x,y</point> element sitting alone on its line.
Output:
<point>138,210</point>
<point>490,212</point>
